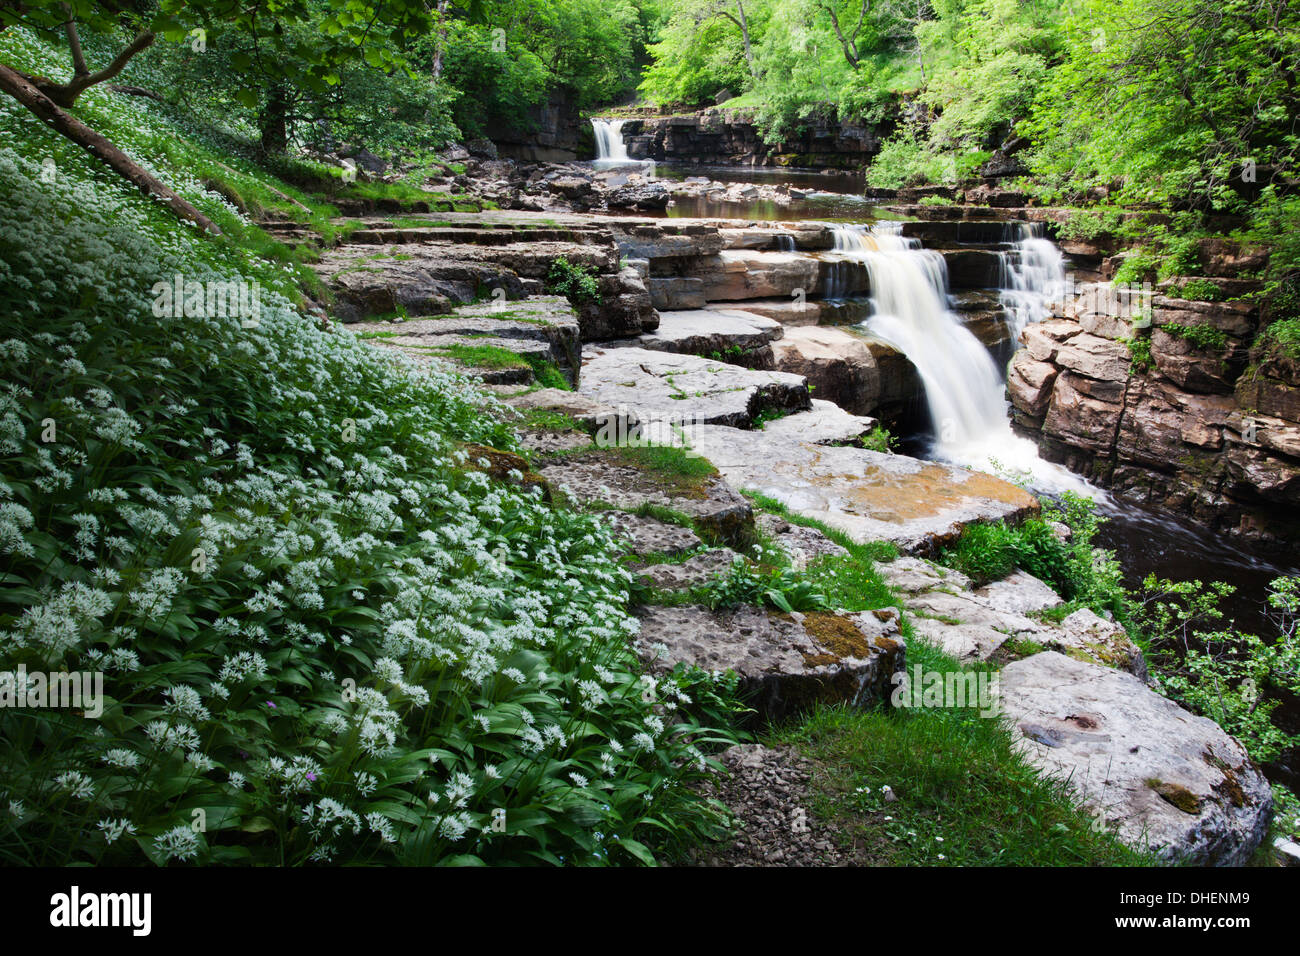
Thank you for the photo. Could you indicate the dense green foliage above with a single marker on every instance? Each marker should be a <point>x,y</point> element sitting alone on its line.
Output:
<point>392,75</point>
<point>1079,572</point>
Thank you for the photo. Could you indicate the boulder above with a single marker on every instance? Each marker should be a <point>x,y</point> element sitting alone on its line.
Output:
<point>735,275</point>
<point>1043,340</point>
<point>1080,419</point>
<point>638,194</point>
<point>671,293</point>
<point>624,309</point>
<point>1165,779</point>
<point>823,424</point>
<point>1030,383</point>
<point>837,363</point>
<point>730,334</point>
<point>787,663</point>
<point>1093,357</point>
<point>1086,636</point>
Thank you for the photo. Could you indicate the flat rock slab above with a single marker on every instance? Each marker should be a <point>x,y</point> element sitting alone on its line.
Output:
<point>553,442</point>
<point>824,424</point>
<point>1164,778</point>
<point>585,412</point>
<point>786,662</point>
<point>705,331</point>
<point>920,506</point>
<point>699,569</point>
<point>912,576</point>
<point>651,536</point>
<point>668,387</point>
<point>715,506</point>
<point>806,544</point>
<point>543,328</point>
<point>971,623</point>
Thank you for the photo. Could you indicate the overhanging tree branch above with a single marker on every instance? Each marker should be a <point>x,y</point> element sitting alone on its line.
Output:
<point>26,92</point>
<point>65,94</point>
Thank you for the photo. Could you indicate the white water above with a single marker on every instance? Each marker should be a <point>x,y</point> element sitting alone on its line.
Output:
<point>964,388</point>
<point>1033,275</point>
<point>610,147</point>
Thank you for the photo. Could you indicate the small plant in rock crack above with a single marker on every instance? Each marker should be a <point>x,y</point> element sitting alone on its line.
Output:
<point>783,588</point>
<point>577,283</point>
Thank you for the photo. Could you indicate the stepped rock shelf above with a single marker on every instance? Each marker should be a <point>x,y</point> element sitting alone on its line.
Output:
<point>713,335</point>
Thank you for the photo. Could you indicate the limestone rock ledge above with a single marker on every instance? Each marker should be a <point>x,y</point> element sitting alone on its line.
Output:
<point>1162,777</point>
<point>786,662</point>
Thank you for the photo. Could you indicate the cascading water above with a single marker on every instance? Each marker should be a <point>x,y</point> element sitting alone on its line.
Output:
<point>610,147</point>
<point>1033,274</point>
<point>908,297</point>
<point>964,388</point>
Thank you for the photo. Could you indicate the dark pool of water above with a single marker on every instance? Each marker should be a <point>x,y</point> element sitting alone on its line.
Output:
<point>1150,542</point>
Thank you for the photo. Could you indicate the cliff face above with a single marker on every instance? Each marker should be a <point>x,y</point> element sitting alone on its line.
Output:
<point>553,132</point>
<point>1209,427</point>
<point>723,136</point>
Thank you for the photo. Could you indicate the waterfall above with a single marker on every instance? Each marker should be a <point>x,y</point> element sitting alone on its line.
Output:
<point>964,388</point>
<point>1033,275</point>
<point>610,147</point>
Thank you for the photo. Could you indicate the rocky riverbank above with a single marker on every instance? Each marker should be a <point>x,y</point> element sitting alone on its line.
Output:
<point>1182,406</point>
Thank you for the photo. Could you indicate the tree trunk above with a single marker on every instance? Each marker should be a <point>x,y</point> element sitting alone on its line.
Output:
<point>26,92</point>
<point>744,33</point>
<point>65,94</point>
<point>275,122</point>
<point>442,39</point>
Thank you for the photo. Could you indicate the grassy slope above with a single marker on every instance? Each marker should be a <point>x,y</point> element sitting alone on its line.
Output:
<point>321,624</point>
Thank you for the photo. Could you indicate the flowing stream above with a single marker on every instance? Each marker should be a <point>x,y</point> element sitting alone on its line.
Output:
<point>910,309</point>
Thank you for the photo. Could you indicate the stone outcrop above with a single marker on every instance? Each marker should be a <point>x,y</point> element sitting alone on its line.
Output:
<point>1207,428</point>
<point>920,506</point>
<point>730,137</point>
<point>1002,620</point>
<point>736,336</point>
<point>596,477</point>
<point>786,662</point>
<point>669,387</point>
<point>1161,777</point>
<point>543,329</point>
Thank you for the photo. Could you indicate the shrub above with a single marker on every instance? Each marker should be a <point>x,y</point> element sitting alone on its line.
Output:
<point>577,283</point>
<point>1204,337</point>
